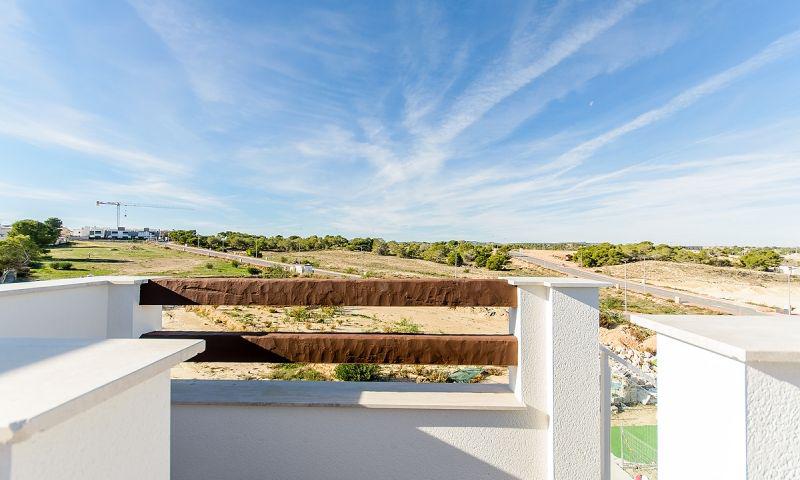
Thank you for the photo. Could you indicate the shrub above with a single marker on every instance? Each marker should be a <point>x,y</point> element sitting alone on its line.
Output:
<point>497,261</point>
<point>298,314</point>
<point>276,272</point>
<point>761,259</point>
<point>61,265</point>
<point>235,264</point>
<point>454,258</point>
<point>357,372</point>
<point>209,265</point>
<point>253,270</point>
<point>403,326</point>
<point>295,371</point>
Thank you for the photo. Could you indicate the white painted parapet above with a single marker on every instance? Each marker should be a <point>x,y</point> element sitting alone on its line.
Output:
<point>89,307</point>
<point>729,396</point>
<point>544,426</point>
<point>556,323</point>
<point>87,409</point>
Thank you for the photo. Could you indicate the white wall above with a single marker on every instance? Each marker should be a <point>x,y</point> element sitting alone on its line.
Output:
<point>92,307</point>
<point>701,422</point>
<point>773,420</point>
<point>211,442</point>
<point>124,437</point>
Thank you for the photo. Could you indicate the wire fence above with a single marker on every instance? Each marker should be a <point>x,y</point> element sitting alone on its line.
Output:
<point>631,397</point>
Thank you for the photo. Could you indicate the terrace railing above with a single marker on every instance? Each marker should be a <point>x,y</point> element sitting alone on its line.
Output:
<point>337,347</point>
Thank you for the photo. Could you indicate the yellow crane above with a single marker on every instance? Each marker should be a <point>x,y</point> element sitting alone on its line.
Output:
<point>119,206</point>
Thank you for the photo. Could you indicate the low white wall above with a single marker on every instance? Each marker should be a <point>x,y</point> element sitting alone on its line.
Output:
<point>701,392</point>
<point>211,442</point>
<point>92,307</point>
<point>124,437</point>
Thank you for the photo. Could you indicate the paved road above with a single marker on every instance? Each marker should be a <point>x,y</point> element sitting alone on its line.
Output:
<point>250,260</point>
<point>716,304</point>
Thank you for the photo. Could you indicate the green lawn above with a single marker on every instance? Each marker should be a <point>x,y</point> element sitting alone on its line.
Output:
<point>641,444</point>
<point>130,258</point>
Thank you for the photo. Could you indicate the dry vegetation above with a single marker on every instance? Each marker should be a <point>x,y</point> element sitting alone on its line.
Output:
<point>728,283</point>
<point>373,265</point>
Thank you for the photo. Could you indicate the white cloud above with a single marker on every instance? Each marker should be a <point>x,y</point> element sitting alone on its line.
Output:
<point>776,50</point>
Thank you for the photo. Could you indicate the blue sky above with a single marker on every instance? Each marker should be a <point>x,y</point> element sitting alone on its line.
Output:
<point>543,121</point>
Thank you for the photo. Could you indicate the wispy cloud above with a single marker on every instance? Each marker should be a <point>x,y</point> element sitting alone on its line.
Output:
<point>780,48</point>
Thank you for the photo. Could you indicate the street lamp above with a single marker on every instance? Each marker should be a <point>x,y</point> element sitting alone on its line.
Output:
<point>789,270</point>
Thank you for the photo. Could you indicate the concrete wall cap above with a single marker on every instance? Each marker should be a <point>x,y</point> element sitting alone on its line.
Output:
<point>44,382</point>
<point>65,283</point>
<point>768,338</point>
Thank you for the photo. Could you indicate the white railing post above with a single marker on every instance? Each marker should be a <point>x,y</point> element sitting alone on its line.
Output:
<point>556,323</point>
<point>605,413</point>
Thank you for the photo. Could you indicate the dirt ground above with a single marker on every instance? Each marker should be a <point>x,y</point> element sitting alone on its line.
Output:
<point>479,320</point>
<point>389,266</point>
<point>726,283</point>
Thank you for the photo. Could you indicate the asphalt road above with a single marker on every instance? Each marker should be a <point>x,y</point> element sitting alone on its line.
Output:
<point>635,286</point>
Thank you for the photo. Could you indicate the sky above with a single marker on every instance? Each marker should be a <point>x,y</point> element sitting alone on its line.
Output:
<point>673,121</point>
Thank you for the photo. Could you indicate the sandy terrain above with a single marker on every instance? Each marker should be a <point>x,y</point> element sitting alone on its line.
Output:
<point>727,283</point>
<point>389,266</point>
<point>736,284</point>
<point>349,319</point>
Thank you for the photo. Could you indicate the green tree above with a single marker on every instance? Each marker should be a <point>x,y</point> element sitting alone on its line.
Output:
<point>498,260</point>
<point>380,247</point>
<point>55,224</point>
<point>454,258</point>
<point>761,259</point>
<point>17,252</point>
<point>41,234</point>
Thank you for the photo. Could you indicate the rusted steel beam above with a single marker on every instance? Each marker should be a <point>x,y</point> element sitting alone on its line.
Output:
<point>463,292</point>
<point>279,347</point>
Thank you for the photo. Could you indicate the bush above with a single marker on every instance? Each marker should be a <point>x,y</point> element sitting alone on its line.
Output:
<point>209,265</point>
<point>235,264</point>
<point>276,272</point>
<point>61,265</point>
<point>761,259</point>
<point>253,270</point>
<point>357,372</point>
<point>295,371</point>
<point>403,326</point>
<point>299,314</point>
<point>497,261</point>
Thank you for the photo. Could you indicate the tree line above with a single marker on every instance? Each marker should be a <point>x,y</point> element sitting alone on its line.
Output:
<point>604,254</point>
<point>26,243</point>
<point>453,252</point>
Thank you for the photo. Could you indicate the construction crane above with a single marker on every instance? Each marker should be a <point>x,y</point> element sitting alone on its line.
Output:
<point>119,206</point>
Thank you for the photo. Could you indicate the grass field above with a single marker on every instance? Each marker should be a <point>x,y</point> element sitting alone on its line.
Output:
<point>130,258</point>
<point>640,443</point>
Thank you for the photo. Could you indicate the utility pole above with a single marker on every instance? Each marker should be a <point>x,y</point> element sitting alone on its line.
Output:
<point>625,294</point>
<point>644,278</point>
<point>789,271</point>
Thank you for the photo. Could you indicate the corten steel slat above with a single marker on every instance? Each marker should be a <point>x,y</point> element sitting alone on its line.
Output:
<point>279,347</point>
<point>463,292</point>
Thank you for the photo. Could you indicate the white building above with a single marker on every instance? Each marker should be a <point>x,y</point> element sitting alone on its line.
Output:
<point>120,233</point>
<point>4,229</point>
